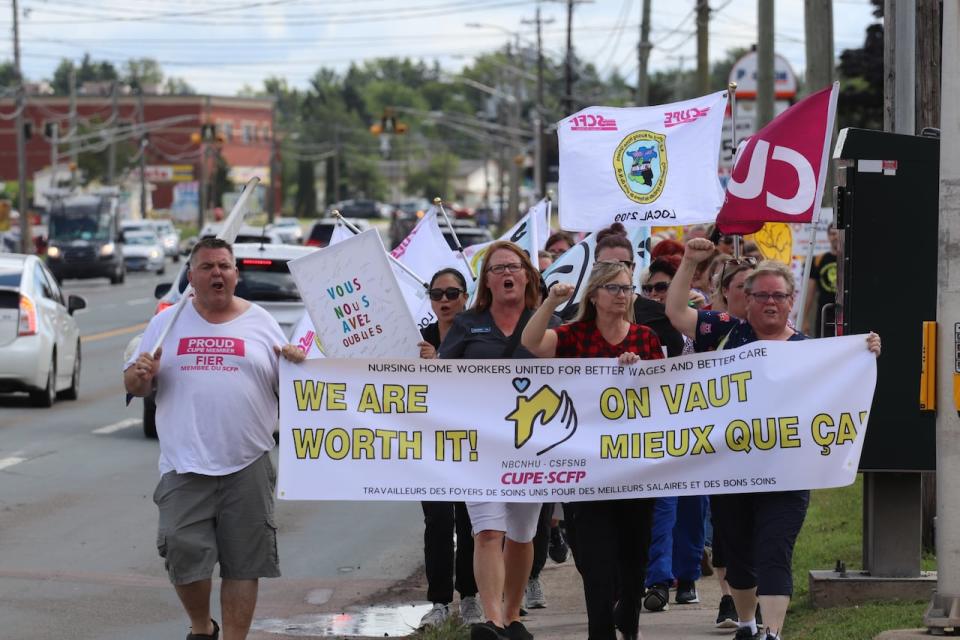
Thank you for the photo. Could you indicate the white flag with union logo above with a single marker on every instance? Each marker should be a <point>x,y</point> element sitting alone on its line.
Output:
<point>641,165</point>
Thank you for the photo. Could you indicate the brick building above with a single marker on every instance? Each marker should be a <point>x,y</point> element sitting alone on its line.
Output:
<point>244,128</point>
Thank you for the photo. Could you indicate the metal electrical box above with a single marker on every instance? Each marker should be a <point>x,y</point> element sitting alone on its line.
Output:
<point>887,213</point>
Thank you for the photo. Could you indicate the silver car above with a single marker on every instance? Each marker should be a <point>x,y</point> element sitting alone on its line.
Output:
<point>289,230</point>
<point>39,338</point>
<point>143,251</point>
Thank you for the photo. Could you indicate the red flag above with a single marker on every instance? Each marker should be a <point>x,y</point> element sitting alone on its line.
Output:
<point>780,171</point>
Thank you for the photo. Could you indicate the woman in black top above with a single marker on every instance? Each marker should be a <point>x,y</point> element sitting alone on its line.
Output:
<point>448,297</point>
<point>507,293</point>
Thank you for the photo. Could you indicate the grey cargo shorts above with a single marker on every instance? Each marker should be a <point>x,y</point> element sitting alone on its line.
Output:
<point>227,519</point>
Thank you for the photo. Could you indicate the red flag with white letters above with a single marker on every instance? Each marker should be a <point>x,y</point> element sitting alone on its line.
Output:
<point>779,173</point>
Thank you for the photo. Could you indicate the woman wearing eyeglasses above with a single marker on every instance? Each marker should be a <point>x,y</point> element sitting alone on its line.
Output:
<point>448,296</point>
<point>507,293</point>
<point>611,537</point>
<point>758,530</point>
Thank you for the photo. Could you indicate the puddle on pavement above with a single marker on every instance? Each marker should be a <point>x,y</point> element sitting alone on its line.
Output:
<point>376,622</point>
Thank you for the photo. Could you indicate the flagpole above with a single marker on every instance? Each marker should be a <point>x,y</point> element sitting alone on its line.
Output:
<point>807,265</point>
<point>439,203</point>
<point>336,214</point>
<point>732,96</point>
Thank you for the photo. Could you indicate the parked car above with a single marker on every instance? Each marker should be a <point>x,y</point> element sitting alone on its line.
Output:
<point>289,230</point>
<point>467,235</point>
<point>264,278</point>
<point>322,230</point>
<point>360,209</point>
<point>143,251</point>
<point>39,338</point>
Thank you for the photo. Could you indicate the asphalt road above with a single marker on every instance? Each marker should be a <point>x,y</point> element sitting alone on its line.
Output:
<point>78,525</point>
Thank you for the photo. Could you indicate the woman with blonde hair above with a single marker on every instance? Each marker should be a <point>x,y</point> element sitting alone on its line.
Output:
<point>611,537</point>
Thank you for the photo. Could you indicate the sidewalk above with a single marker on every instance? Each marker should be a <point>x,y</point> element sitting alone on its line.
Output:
<point>565,617</point>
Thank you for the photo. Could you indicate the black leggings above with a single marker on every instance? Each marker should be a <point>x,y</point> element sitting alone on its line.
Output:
<point>440,520</point>
<point>757,533</point>
<point>610,540</point>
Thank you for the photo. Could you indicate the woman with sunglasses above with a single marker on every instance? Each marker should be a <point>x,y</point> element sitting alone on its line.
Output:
<point>758,530</point>
<point>508,291</point>
<point>448,297</point>
<point>611,537</point>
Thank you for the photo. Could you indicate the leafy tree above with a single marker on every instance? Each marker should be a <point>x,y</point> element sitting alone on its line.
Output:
<point>142,72</point>
<point>860,103</point>
<point>178,87</point>
<point>88,71</point>
<point>435,177</point>
<point>7,75</point>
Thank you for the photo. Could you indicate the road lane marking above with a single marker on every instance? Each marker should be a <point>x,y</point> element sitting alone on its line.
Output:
<point>117,426</point>
<point>9,462</point>
<point>103,335</point>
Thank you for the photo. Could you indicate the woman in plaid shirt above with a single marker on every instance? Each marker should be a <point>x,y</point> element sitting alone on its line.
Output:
<point>610,538</point>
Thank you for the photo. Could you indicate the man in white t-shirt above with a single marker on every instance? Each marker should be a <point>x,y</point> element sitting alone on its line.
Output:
<point>216,379</point>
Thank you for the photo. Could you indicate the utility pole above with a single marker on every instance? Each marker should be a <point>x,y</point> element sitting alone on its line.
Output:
<point>514,119</point>
<point>144,141</point>
<point>73,133</point>
<point>818,35</point>
<point>928,64</point>
<point>899,66</point>
<point>946,599</point>
<point>568,64</point>
<point>336,165</point>
<point>274,173</point>
<point>112,149</point>
<point>26,239</point>
<point>539,169</point>
<point>643,56</point>
<point>764,62</point>
<point>703,57</point>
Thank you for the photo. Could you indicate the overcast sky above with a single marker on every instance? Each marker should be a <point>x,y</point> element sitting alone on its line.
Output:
<point>218,45</point>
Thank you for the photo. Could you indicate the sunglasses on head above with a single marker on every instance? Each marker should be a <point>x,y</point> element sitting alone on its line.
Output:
<point>731,267</point>
<point>659,287</point>
<point>452,293</point>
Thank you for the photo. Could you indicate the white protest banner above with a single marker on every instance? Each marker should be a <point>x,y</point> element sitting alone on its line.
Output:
<point>641,165</point>
<point>530,234</point>
<point>769,416</point>
<point>354,301</point>
<point>574,265</point>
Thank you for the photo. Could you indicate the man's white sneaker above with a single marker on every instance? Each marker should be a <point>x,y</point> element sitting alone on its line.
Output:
<point>470,610</point>
<point>435,617</point>
<point>533,595</point>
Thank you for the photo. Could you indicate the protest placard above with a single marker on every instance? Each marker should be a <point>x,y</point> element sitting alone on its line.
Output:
<point>354,301</point>
<point>769,416</point>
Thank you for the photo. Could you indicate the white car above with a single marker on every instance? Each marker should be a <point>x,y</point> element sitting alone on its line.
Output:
<point>168,234</point>
<point>289,230</point>
<point>39,338</point>
<point>143,251</point>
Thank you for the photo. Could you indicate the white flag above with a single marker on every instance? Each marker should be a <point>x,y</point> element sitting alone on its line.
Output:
<point>340,233</point>
<point>425,251</point>
<point>574,265</point>
<point>530,233</point>
<point>641,165</point>
<point>305,337</point>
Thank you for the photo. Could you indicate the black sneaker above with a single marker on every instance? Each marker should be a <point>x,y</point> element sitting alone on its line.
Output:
<point>727,614</point>
<point>487,631</point>
<point>686,592</point>
<point>744,633</point>
<point>657,597</point>
<point>558,549</point>
<point>516,631</point>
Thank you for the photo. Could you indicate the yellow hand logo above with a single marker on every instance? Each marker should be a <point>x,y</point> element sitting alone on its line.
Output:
<point>543,405</point>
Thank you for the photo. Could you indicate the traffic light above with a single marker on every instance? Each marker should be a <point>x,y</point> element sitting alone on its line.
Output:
<point>388,124</point>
